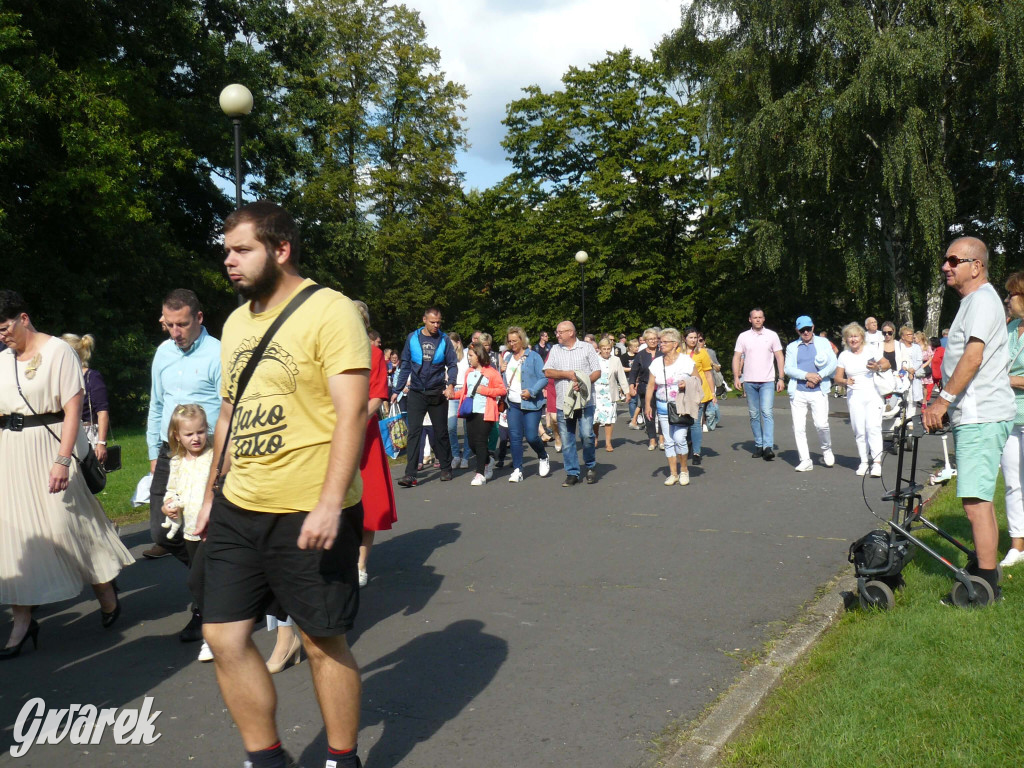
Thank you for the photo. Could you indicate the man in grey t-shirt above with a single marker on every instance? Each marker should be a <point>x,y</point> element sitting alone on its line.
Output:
<point>977,394</point>
<point>564,360</point>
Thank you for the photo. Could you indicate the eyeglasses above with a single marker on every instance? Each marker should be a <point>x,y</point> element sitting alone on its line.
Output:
<point>806,330</point>
<point>888,333</point>
<point>668,341</point>
<point>5,330</point>
<point>956,261</point>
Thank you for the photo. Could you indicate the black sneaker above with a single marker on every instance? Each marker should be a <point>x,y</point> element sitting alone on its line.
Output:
<point>407,482</point>
<point>446,475</point>
<point>758,452</point>
<point>768,454</point>
<point>193,631</point>
<point>695,459</point>
<point>571,480</point>
<point>591,476</point>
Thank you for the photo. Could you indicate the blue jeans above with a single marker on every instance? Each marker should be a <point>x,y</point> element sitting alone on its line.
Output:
<point>567,429</point>
<point>760,402</point>
<point>518,421</point>
<point>459,450</point>
<point>696,430</point>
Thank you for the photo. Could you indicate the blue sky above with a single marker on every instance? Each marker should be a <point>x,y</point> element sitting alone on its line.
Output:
<point>497,47</point>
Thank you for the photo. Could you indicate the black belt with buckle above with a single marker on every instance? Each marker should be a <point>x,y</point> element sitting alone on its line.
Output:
<point>19,421</point>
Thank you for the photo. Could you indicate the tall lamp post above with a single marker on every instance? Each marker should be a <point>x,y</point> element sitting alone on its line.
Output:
<point>236,103</point>
<point>581,259</point>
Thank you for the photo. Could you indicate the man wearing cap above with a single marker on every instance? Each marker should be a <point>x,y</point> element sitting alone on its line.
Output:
<point>810,365</point>
<point>757,363</point>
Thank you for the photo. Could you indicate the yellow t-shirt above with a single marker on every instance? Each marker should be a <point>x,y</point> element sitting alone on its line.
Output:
<point>702,364</point>
<point>281,431</point>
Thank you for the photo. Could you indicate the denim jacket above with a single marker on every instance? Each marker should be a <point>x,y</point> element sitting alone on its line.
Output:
<point>533,380</point>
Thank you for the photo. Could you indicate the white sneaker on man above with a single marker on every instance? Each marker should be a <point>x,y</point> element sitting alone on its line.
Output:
<point>805,466</point>
<point>876,470</point>
<point>489,470</point>
<point>205,654</point>
<point>1013,557</point>
<point>545,467</point>
<point>829,458</point>
<point>478,479</point>
<point>862,469</point>
<point>516,476</point>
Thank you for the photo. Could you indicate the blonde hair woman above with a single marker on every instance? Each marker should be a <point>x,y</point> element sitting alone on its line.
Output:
<point>96,406</point>
<point>855,371</point>
<point>609,389</point>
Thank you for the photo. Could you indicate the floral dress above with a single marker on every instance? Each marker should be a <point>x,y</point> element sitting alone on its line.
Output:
<point>604,408</point>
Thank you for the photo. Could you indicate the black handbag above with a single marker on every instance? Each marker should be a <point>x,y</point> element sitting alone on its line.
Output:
<point>675,418</point>
<point>93,472</point>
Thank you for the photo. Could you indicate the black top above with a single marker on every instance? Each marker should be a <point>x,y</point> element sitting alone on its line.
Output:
<point>641,369</point>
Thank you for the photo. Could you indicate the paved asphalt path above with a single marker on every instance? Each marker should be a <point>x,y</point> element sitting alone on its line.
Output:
<point>507,625</point>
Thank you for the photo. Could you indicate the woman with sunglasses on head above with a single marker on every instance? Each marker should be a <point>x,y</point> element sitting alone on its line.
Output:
<point>56,536</point>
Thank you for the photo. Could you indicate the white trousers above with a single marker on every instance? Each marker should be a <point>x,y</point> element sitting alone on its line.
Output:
<point>817,403</point>
<point>1013,474</point>
<point>866,420</point>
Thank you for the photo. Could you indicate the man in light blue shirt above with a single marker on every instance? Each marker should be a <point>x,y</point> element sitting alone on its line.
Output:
<point>810,366</point>
<point>186,369</point>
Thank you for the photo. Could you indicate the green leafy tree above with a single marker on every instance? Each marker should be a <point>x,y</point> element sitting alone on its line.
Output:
<point>866,135</point>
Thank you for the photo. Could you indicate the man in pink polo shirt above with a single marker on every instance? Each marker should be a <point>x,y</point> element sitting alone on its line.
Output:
<point>758,364</point>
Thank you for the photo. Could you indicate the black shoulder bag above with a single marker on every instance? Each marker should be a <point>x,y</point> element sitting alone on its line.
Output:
<point>250,367</point>
<point>93,472</point>
<point>675,418</point>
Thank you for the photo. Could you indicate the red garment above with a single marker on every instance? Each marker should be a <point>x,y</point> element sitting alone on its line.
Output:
<point>379,508</point>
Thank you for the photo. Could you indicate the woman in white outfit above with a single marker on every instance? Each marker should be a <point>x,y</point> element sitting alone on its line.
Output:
<point>856,370</point>
<point>1013,453</point>
<point>667,377</point>
<point>909,362</point>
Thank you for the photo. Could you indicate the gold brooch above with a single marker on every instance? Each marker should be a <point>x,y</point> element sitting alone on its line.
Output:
<point>33,366</point>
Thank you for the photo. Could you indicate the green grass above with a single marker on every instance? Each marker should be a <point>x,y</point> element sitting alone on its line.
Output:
<point>116,498</point>
<point>920,685</point>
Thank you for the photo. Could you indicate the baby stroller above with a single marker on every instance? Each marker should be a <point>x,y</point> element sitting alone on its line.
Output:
<point>880,556</point>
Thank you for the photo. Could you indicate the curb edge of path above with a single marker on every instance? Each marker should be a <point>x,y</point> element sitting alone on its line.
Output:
<point>739,705</point>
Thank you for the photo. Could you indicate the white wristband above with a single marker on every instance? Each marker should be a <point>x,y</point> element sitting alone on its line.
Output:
<point>949,397</point>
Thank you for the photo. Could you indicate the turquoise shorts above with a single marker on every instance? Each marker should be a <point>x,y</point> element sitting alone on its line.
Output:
<point>979,448</point>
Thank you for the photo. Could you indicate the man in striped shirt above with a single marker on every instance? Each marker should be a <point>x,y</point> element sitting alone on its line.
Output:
<point>565,359</point>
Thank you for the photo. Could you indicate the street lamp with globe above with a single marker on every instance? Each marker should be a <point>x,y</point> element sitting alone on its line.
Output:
<point>581,259</point>
<point>236,103</point>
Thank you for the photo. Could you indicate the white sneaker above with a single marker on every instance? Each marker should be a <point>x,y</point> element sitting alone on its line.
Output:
<point>684,478</point>
<point>464,464</point>
<point>205,654</point>
<point>1013,557</point>
<point>478,479</point>
<point>876,470</point>
<point>489,470</point>
<point>545,467</point>
<point>516,476</point>
<point>364,578</point>
<point>805,466</point>
<point>862,469</point>
<point>829,458</point>
<point>672,480</point>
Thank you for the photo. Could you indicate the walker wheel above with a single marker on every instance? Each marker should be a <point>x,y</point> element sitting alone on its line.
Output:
<point>982,590</point>
<point>876,594</point>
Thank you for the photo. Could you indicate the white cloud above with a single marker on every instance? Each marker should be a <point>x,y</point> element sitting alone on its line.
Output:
<point>497,47</point>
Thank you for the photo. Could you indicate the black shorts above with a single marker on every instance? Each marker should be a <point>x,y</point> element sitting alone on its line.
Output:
<point>253,562</point>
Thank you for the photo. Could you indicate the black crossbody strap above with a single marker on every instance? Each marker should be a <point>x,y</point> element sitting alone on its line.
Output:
<point>17,383</point>
<point>254,360</point>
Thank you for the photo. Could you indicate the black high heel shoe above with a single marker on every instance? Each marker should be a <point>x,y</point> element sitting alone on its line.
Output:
<point>108,619</point>
<point>14,650</point>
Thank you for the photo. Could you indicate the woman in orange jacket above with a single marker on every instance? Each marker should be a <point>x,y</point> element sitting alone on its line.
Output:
<point>482,386</point>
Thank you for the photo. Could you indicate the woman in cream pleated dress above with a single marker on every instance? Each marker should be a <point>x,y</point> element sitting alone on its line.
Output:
<point>54,535</point>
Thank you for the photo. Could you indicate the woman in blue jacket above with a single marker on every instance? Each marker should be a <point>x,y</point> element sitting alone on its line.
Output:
<point>522,369</point>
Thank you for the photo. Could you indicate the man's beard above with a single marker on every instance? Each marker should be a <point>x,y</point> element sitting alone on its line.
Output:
<point>264,284</point>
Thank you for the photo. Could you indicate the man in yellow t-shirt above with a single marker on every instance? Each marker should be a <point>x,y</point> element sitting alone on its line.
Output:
<point>285,530</point>
<point>701,367</point>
